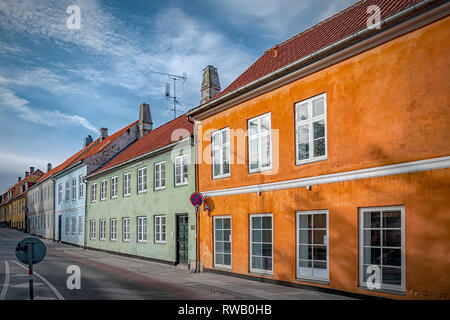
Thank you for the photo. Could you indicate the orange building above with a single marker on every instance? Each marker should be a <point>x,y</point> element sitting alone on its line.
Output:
<point>326,163</point>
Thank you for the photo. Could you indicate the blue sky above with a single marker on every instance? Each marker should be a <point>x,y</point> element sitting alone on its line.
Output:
<point>58,85</point>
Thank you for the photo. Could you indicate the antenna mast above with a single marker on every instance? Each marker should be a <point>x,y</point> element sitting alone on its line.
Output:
<point>173,97</point>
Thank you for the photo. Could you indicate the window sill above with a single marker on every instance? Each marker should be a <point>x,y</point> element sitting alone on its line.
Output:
<point>260,170</point>
<point>142,241</point>
<point>388,291</point>
<point>222,267</point>
<point>115,197</point>
<point>159,189</point>
<point>159,242</point>
<point>127,195</point>
<point>311,280</point>
<point>262,273</point>
<point>181,184</point>
<point>142,191</point>
<point>301,162</point>
<point>126,240</point>
<point>221,177</point>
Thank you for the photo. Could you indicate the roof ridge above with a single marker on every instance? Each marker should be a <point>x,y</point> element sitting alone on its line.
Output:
<point>315,26</point>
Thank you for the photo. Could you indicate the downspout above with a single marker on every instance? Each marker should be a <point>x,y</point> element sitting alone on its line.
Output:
<point>85,213</point>
<point>197,222</point>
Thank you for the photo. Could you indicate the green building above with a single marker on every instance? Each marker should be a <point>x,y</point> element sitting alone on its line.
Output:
<point>138,203</point>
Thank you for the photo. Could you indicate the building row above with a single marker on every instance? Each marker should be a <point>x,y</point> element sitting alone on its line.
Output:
<point>324,164</point>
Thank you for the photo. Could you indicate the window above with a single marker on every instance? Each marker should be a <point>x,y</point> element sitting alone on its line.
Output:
<point>74,189</point>
<point>80,225</point>
<point>114,187</point>
<point>221,153</point>
<point>142,180</point>
<point>311,129</point>
<point>80,187</point>
<point>382,246</point>
<point>92,230</point>
<point>222,242</point>
<point>103,189</point>
<point>93,192</point>
<point>259,143</point>
<point>74,225</point>
<point>66,231</point>
<point>160,175</point>
<point>160,229</point>
<point>126,184</point>
<point>113,229</point>
<point>142,229</point>
<point>102,229</point>
<point>67,195</point>
<point>312,245</point>
<point>181,170</point>
<point>261,243</point>
<point>126,229</point>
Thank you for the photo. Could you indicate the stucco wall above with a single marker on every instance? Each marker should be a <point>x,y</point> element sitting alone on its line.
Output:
<point>38,209</point>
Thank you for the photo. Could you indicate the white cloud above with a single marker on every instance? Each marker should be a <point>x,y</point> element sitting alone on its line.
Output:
<point>53,118</point>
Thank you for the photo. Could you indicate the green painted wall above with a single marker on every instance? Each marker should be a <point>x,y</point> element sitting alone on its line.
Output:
<point>169,202</point>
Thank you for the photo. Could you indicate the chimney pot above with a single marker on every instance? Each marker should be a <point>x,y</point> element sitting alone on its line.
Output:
<point>103,133</point>
<point>31,170</point>
<point>145,122</point>
<point>27,173</point>
<point>87,141</point>
<point>18,179</point>
<point>49,167</point>
<point>210,83</point>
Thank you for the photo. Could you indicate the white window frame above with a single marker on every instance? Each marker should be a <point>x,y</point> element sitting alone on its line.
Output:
<point>259,137</point>
<point>67,226</point>
<point>80,187</point>
<point>80,225</point>
<point>142,180</point>
<point>94,192</point>
<point>220,147</point>
<point>92,230</point>
<point>127,184</point>
<point>67,191</point>
<point>113,229</point>
<point>255,270</point>
<point>74,225</point>
<point>327,243</point>
<point>126,229</point>
<point>157,169</point>
<point>102,229</point>
<point>141,229</point>
<point>114,187</point>
<point>177,159</point>
<point>158,228</point>
<point>363,284</point>
<point>60,187</point>
<point>310,122</point>
<point>74,188</point>
<point>103,190</point>
<point>217,265</point>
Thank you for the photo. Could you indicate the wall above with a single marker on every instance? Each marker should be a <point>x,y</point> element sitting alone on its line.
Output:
<point>38,209</point>
<point>169,202</point>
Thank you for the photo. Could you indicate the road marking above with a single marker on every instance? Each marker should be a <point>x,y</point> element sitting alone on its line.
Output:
<point>55,291</point>
<point>6,284</point>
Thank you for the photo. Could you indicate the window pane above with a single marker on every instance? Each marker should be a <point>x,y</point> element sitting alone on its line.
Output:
<point>319,236</point>
<point>319,129</point>
<point>372,219</point>
<point>372,256</point>
<point>215,139</point>
<point>392,238</point>
<point>392,276</point>
<point>266,263</point>
<point>253,130</point>
<point>227,259</point>
<point>219,258</point>
<point>265,124</point>
<point>257,262</point>
<point>219,235</point>
<point>302,112</point>
<point>303,151</point>
<point>392,257</point>
<point>305,221</point>
<point>305,236</point>
<point>305,264</point>
<point>253,152</point>
<point>218,223</point>
<point>319,265</point>
<point>320,253</point>
<point>319,147</point>
<point>224,137</point>
<point>227,247</point>
<point>305,252</point>
<point>303,134</point>
<point>265,151</point>
<point>256,235</point>
<point>226,223</point>
<point>391,219</point>
<point>226,235</point>
<point>256,222</point>
<point>267,250</point>
<point>267,235</point>
<point>219,246</point>
<point>267,222</point>
<point>320,220</point>
<point>372,238</point>
<point>257,249</point>
<point>318,107</point>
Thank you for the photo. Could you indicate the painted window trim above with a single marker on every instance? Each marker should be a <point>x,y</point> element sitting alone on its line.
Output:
<point>146,231</point>
<point>94,192</point>
<point>138,172</point>
<point>102,236</point>
<point>116,187</point>
<point>67,191</point>
<point>156,217</point>
<point>160,179</point>
<point>105,183</point>
<point>111,229</point>
<point>254,270</point>
<point>311,159</point>
<point>259,169</point>
<point>123,230</point>
<point>175,171</point>
<point>221,147</point>
<point>384,287</point>
<point>216,265</point>
<point>74,189</point>
<point>297,274</point>
<point>80,187</point>
<point>129,184</point>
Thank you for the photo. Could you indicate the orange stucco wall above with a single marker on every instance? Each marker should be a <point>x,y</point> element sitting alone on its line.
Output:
<point>387,105</point>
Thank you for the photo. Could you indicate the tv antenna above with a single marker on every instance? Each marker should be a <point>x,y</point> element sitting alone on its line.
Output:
<point>175,78</point>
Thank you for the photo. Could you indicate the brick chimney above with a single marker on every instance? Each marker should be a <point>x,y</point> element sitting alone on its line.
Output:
<point>87,141</point>
<point>145,123</point>
<point>210,83</point>
<point>31,170</point>
<point>49,167</point>
<point>27,173</point>
<point>103,133</point>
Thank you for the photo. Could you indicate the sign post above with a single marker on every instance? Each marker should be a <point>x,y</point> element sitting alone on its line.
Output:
<point>30,251</point>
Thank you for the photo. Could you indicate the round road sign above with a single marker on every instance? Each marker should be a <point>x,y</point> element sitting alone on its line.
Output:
<point>196,199</point>
<point>37,247</point>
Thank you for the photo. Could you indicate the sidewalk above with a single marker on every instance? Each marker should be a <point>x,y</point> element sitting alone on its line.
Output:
<point>218,286</point>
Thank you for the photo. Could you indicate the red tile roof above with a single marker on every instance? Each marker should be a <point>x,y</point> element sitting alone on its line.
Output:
<point>327,32</point>
<point>17,191</point>
<point>155,139</point>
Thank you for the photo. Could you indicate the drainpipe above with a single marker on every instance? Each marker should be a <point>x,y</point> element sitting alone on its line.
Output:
<point>85,214</point>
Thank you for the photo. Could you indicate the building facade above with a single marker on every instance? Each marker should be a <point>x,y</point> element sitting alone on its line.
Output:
<point>139,202</point>
<point>341,177</point>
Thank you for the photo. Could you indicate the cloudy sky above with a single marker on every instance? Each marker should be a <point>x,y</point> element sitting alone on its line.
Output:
<point>57,85</point>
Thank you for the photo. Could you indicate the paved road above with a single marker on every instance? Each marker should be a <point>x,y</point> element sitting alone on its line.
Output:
<point>107,276</point>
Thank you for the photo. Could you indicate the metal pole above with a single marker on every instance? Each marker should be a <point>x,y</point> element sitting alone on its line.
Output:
<point>174,99</point>
<point>30,268</point>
